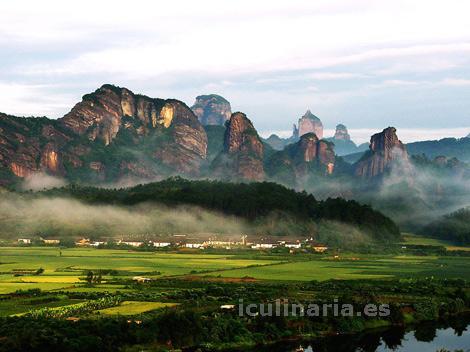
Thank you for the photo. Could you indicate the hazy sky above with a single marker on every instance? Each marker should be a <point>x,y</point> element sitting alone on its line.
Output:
<point>365,63</point>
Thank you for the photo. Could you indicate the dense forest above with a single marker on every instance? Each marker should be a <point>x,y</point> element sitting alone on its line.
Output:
<point>250,201</point>
<point>453,227</point>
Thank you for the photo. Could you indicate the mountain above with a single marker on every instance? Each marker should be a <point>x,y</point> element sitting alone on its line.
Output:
<point>212,109</point>
<point>308,123</point>
<point>309,156</point>
<point>272,208</point>
<point>343,143</point>
<point>341,133</point>
<point>276,142</point>
<point>243,153</point>
<point>385,151</point>
<point>112,133</point>
<point>449,147</point>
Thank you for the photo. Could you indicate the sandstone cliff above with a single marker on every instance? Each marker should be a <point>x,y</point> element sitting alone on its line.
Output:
<point>385,151</point>
<point>212,109</point>
<point>242,157</point>
<point>109,134</point>
<point>308,157</point>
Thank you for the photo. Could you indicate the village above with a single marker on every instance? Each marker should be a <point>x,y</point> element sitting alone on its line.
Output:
<point>182,241</point>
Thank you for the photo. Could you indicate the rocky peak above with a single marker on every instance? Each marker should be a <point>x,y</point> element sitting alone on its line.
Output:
<point>311,149</point>
<point>100,114</point>
<point>149,138</point>
<point>385,150</point>
<point>243,150</point>
<point>307,157</point>
<point>342,133</point>
<point>212,109</point>
<point>310,123</point>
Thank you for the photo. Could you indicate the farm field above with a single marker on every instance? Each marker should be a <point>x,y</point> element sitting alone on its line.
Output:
<point>134,308</point>
<point>65,268</point>
<point>412,239</point>
<point>20,305</point>
<point>360,267</point>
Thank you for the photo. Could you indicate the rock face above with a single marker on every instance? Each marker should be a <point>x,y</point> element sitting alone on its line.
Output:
<point>309,123</point>
<point>110,133</point>
<point>212,109</point>
<point>309,156</point>
<point>385,151</point>
<point>242,157</point>
<point>341,133</point>
<point>30,145</point>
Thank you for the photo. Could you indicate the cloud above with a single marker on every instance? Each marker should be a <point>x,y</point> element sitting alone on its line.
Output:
<point>40,181</point>
<point>458,82</point>
<point>324,54</point>
<point>32,99</point>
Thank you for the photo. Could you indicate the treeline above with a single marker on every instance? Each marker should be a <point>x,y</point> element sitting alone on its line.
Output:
<point>454,227</point>
<point>250,201</point>
<point>210,328</point>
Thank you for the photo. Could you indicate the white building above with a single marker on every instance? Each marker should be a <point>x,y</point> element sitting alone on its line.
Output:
<point>194,245</point>
<point>264,246</point>
<point>131,243</point>
<point>24,241</point>
<point>293,245</point>
<point>161,244</point>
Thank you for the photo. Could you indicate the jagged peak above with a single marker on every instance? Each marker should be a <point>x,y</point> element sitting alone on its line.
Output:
<point>308,115</point>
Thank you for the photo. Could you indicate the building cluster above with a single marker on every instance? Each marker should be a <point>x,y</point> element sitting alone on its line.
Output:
<point>185,242</point>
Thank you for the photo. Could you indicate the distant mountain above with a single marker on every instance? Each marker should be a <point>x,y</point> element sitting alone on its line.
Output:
<point>116,136</point>
<point>309,123</point>
<point>343,143</point>
<point>212,109</point>
<point>449,147</point>
<point>309,156</point>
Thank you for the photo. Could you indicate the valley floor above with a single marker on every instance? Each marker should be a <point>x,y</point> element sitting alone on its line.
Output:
<point>90,286</point>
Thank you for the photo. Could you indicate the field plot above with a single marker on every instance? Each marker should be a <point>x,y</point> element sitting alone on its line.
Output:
<point>412,239</point>
<point>367,267</point>
<point>24,305</point>
<point>134,308</point>
<point>66,268</point>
